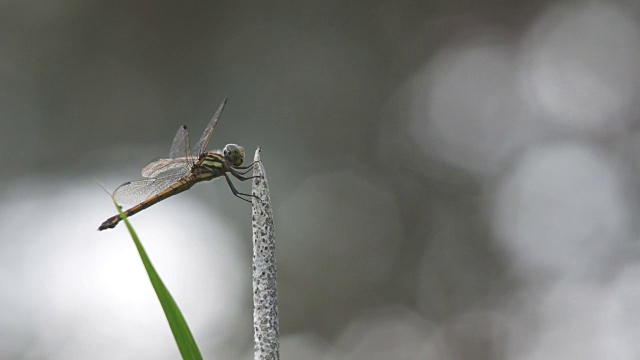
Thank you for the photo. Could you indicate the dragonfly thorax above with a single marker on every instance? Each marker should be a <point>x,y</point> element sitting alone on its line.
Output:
<point>234,154</point>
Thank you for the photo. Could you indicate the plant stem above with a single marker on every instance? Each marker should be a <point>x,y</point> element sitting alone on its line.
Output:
<point>265,284</point>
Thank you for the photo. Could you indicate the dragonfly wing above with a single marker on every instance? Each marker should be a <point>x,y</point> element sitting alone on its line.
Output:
<point>135,192</point>
<point>180,145</point>
<point>164,167</point>
<point>202,144</point>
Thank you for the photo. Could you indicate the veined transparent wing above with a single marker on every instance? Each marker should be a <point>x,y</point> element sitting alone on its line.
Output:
<point>165,167</point>
<point>135,192</point>
<point>202,144</point>
<point>180,145</point>
<point>179,161</point>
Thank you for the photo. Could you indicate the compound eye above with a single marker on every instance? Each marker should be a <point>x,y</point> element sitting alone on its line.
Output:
<point>234,153</point>
<point>227,151</point>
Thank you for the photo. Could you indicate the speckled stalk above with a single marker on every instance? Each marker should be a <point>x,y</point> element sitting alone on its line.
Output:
<point>265,285</point>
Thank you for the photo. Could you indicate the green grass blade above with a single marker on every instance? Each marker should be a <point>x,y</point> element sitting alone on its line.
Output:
<point>184,339</point>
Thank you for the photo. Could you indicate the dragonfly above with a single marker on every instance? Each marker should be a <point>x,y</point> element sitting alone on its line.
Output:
<point>183,168</point>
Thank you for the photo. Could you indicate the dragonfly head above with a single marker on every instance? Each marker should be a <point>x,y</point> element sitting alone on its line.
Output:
<point>234,153</point>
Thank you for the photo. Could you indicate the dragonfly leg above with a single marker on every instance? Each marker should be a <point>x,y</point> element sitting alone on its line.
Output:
<point>245,171</point>
<point>239,175</point>
<point>250,166</point>
<point>236,192</point>
<point>245,168</point>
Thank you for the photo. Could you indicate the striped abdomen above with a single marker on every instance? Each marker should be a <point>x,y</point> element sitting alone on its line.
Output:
<point>183,184</point>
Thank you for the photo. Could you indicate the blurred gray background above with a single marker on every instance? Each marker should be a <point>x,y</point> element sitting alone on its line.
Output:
<point>451,179</point>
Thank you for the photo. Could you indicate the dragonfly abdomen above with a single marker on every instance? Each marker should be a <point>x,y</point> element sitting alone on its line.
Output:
<point>182,185</point>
